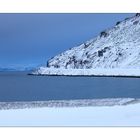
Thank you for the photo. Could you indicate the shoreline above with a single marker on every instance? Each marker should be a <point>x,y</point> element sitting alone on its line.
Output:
<point>108,102</point>
<point>117,115</point>
<point>114,72</point>
<point>55,75</point>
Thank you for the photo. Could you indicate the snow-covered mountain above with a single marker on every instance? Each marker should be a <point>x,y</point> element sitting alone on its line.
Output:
<point>117,47</point>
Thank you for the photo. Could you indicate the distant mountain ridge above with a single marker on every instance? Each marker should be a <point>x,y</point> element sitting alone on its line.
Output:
<point>7,69</point>
<point>16,69</point>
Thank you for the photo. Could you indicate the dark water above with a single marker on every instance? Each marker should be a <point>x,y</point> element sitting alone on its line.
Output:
<point>18,86</point>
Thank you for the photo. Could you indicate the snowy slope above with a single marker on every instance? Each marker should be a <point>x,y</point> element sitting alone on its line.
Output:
<point>117,47</point>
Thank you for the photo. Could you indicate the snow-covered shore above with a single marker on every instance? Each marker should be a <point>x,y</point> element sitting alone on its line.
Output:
<point>124,112</point>
<point>128,115</point>
<point>68,103</point>
<point>87,72</point>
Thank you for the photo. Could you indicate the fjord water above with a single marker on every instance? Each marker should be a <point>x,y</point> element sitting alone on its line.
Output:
<point>18,86</point>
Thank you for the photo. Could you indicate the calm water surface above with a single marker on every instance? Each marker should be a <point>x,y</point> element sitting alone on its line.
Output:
<point>18,86</point>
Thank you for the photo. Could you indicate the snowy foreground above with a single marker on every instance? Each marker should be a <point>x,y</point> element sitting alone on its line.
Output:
<point>117,115</point>
<point>87,72</point>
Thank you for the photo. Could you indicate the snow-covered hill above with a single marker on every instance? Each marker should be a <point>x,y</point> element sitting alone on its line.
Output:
<point>117,47</point>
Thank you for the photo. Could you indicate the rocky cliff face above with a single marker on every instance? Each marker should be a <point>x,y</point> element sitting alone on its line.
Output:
<point>118,47</point>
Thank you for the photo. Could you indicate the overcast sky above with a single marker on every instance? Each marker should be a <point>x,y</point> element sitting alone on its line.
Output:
<point>31,39</point>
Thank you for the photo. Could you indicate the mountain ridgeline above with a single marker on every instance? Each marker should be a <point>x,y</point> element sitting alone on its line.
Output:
<point>117,47</point>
